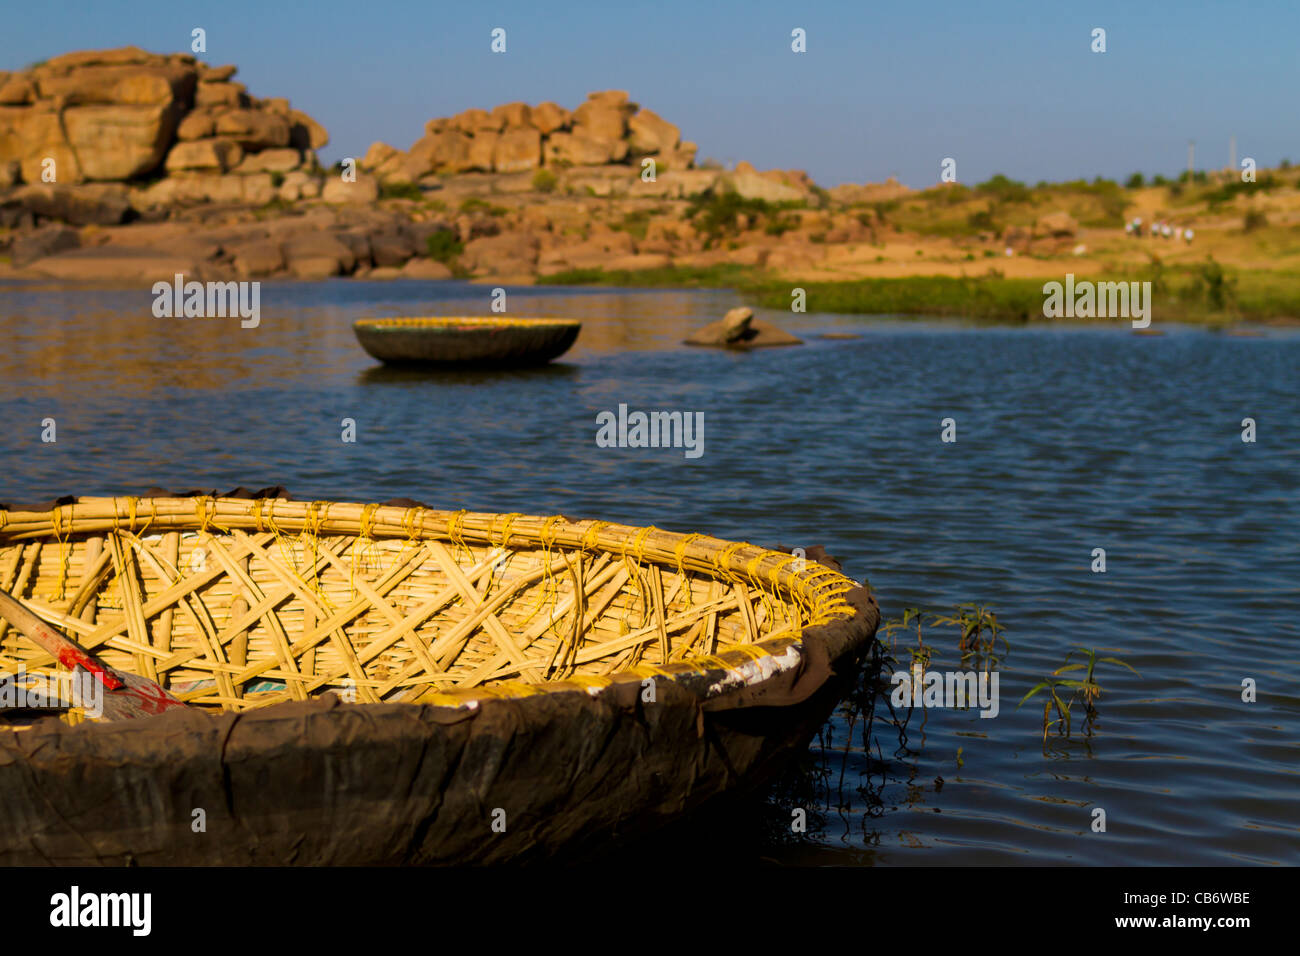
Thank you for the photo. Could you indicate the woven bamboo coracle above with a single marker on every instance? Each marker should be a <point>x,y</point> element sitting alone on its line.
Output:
<point>235,603</point>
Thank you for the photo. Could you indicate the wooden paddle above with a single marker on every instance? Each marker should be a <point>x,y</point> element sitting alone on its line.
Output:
<point>125,696</point>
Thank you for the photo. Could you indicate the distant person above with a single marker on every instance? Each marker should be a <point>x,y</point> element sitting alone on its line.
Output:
<point>1188,236</point>
<point>1167,231</point>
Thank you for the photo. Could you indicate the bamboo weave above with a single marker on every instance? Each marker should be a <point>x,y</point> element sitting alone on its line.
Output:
<point>236,603</point>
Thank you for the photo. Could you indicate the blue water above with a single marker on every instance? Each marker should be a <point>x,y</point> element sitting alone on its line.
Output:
<point>1068,439</point>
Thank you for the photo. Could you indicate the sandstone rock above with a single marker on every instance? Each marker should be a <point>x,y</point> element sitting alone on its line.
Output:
<point>550,118</point>
<point>425,269</point>
<point>508,254</point>
<point>364,190</point>
<point>739,329</point>
<point>650,133</point>
<point>513,114</point>
<point>197,124</point>
<point>97,204</point>
<point>270,161</point>
<point>473,120</point>
<point>121,85</point>
<point>578,150</point>
<point>17,90</point>
<point>278,105</point>
<point>114,57</point>
<point>751,185</point>
<point>259,257</point>
<point>254,130</point>
<point>11,173</point>
<point>376,155</point>
<point>209,95</point>
<point>208,154</point>
<point>391,249</point>
<point>46,241</point>
<point>108,264</point>
<point>481,149</point>
<point>101,142</point>
<point>305,132</point>
<point>318,256</point>
<point>257,188</point>
<point>603,123</point>
<point>615,99</point>
<point>518,149</point>
<point>447,151</point>
<point>218,74</point>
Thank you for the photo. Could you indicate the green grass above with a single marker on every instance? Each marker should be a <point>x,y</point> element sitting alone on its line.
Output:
<point>669,277</point>
<point>1204,294</point>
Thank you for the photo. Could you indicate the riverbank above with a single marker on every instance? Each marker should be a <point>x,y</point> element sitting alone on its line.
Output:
<point>223,185</point>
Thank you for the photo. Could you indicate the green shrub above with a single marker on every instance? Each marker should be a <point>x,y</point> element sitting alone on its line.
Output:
<point>545,181</point>
<point>1136,181</point>
<point>443,246</point>
<point>1255,219</point>
<point>474,204</point>
<point>400,191</point>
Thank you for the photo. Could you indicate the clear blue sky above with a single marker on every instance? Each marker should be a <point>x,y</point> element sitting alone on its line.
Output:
<point>884,89</point>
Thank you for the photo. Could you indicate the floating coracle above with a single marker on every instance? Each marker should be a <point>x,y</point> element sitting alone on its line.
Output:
<point>524,686</point>
<point>466,340</point>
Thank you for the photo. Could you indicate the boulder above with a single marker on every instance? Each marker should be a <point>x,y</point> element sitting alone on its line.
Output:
<point>517,150</point>
<point>376,155</point>
<point>253,129</point>
<point>318,256</point>
<point>117,142</point>
<point>198,124</point>
<point>17,90</point>
<point>753,185</point>
<point>392,248</point>
<point>425,269</point>
<point>364,190</point>
<point>739,329</point>
<point>578,150</point>
<point>205,154</point>
<point>110,264</point>
<point>258,257</point>
<point>513,114</point>
<point>550,117</point>
<point>121,85</point>
<point>217,74</point>
<point>447,151</point>
<point>97,204</point>
<point>11,173</point>
<point>481,149</point>
<point>305,132</point>
<point>474,120</point>
<point>270,161</point>
<point>650,133</point>
<point>512,253</point>
<point>212,95</point>
<point>46,241</point>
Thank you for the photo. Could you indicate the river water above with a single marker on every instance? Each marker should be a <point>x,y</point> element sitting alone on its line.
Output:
<point>1068,439</point>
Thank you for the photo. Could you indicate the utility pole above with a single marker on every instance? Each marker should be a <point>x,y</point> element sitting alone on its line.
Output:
<point>1232,153</point>
<point>1191,159</point>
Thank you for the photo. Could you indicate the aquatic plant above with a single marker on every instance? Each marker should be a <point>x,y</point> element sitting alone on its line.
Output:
<point>1086,691</point>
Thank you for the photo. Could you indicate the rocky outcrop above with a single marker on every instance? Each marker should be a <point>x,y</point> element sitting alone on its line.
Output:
<point>516,138</point>
<point>125,115</point>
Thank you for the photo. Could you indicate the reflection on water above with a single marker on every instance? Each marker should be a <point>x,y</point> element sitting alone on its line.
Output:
<point>1068,439</point>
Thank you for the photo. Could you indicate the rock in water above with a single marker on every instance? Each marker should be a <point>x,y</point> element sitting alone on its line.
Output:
<point>738,329</point>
